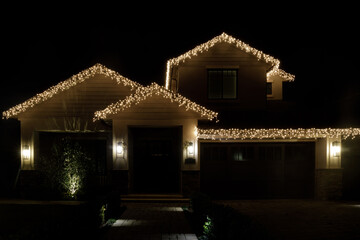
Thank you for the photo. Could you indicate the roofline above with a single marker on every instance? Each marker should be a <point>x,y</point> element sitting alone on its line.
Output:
<point>143,93</point>
<point>228,39</point>
<point>67,84</point>
<point>277,134</point>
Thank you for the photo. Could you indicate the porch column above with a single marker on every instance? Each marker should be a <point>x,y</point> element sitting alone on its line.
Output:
<point>328,171</point>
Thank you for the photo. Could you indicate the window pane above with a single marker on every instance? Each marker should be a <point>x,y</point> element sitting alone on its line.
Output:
<point>229,84</point>
<point>268,88</point>
<point>215,84</point>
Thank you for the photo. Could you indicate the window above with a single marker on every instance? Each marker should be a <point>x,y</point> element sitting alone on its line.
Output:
<point>222,83</point>
<point>269,88</point>
<point>242,153</point>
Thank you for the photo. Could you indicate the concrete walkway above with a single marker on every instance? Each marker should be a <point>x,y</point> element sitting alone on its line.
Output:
<point>152,221</point>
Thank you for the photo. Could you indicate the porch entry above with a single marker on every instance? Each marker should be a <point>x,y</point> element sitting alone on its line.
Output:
<point>155,155</point>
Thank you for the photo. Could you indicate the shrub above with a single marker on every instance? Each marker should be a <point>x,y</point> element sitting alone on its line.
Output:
<point>67,169</point>
<point>213,221</point>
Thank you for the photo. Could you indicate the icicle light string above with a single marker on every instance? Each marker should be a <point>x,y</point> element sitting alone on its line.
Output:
<point>275,133</point>
<point>71,82</point>
<point>143,93</point>
<point>239,44</point>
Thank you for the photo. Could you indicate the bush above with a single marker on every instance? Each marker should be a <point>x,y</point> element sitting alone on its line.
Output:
<point>213,221</point>
<point>68,169</point>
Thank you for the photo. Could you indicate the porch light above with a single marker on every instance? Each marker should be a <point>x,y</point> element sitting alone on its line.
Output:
<point>335,149</point>
<point>26,152</point>
<point>190,149</point>
<point>120,149</point>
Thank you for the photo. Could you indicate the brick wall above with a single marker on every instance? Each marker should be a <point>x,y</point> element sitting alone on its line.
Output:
<point>328,184</point>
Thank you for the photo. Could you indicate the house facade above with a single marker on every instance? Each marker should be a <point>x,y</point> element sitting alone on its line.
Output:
<point>206,129</point>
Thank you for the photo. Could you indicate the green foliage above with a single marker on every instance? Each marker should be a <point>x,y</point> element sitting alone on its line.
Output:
<point>209,228</point>
<point>102,214</point>
<point>216,221</point>
<point>67,169</point>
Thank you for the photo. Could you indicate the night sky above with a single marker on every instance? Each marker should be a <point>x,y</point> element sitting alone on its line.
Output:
<point>318,44</point>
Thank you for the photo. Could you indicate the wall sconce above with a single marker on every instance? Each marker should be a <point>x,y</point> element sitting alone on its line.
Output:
<point>26,152</point>
<point>120,149</point>
<point>190,149</point>
<point>335,149</point>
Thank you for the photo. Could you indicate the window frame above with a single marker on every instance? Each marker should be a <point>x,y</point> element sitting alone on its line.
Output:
<point>272,85</point>
<point>222,83</point>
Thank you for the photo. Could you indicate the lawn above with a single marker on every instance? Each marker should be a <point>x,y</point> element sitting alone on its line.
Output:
<point>48,220</point>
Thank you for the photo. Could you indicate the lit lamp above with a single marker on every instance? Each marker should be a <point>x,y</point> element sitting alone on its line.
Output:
<point>26,152</point>
<point>335,149</point>
<point>120,149</point>
<point>190,149</point>
<point>189,153</point>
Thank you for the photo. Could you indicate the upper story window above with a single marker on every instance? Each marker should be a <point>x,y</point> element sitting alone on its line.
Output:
<point>269,88</point>
<point>222,83</point>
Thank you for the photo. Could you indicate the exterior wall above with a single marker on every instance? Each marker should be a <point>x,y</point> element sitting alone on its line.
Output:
<point>121,164</point>
<point>277,93</point>
<point>120,134</point>
<point>191,78</point>
<point>328,171</point>
<point>328,184</point>
<point>30,126</point>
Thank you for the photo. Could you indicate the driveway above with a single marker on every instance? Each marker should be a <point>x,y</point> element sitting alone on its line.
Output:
<point>157,221</point>
<point>303,219</point>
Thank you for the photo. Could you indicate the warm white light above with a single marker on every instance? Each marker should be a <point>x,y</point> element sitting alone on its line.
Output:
<point>143,93</point>
<point>190,149</point>
<point>65,85</point>
<point>120,149</point>
<point>26,152</point>
<point>276,133</point>
<point>335,149</point>
<point>238,44</point>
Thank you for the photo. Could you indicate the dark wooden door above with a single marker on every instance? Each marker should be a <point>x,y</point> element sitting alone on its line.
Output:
<point>156,160</point>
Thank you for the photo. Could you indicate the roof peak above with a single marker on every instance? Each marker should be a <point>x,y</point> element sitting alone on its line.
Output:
<point>66,84</point>
<point>224,37</point>
<point>145,92</point>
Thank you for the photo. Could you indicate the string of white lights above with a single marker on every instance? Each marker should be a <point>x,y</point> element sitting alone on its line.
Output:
<point>275,133</point>
<point>64,85</point>
<point>143,93</point>
<point>239,44</point>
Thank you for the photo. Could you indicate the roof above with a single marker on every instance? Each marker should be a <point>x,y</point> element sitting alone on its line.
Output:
<point>237,43</point>
<point>67,84</point>
<point>142,93</point>
<point>275,133</point>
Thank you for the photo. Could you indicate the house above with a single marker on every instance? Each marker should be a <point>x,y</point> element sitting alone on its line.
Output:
<point>179,138</point>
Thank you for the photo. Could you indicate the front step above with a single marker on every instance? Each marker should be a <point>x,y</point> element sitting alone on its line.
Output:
<point>154,198</point>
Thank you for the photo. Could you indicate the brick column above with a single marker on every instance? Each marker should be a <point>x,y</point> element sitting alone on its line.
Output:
<point>190,182</point>
<point>328,184</point>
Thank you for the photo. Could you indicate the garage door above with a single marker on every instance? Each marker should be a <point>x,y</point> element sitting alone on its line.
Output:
<point>257,170</point>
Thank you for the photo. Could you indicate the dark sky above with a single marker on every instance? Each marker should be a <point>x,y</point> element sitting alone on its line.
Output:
<point>317,44</point>
<point>44,44</point>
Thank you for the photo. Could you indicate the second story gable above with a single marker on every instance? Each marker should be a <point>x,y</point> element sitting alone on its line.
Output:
<point>227,74</point>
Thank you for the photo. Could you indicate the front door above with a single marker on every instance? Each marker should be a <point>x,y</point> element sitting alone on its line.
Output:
<point>156,156</point>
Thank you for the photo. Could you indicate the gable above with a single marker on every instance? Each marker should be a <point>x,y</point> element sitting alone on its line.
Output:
<point>80,95</point>
<point>155,102</point>
<point>224,39</point>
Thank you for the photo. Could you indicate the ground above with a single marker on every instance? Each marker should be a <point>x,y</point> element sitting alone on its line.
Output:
<point>284,219</point>
<point>304,219</point>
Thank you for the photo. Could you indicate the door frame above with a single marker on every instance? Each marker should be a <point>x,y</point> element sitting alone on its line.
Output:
<point>179,140</point>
